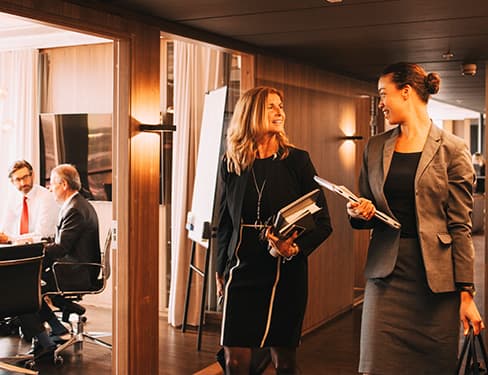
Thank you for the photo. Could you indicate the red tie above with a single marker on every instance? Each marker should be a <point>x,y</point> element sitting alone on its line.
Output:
<point>24,219</point>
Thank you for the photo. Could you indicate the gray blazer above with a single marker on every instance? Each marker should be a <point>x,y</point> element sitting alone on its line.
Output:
<point>443,201</point>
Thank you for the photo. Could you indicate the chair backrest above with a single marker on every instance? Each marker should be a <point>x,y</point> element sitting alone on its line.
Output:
<point>68,286</point>
<point>20,278</point>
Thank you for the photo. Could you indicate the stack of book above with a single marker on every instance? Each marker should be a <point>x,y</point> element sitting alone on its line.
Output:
<point>297,216</point>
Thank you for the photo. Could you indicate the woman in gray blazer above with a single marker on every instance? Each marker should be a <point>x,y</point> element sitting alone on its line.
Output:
<point>419,278</point>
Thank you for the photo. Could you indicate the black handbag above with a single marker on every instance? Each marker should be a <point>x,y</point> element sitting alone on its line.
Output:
<point>473,359</point>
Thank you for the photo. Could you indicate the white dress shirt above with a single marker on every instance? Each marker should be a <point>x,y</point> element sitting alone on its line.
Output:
<point>43,214</point>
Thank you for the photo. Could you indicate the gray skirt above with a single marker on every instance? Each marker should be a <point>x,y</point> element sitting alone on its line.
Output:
<point>406,328</point>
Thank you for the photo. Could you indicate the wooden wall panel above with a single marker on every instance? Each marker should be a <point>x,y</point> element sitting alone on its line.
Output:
<point>484,304</point>
<point>248,65</point>
<point>361,237</point>
<point>321,108</point>
<point>144,182</point>
<point>120,204</point>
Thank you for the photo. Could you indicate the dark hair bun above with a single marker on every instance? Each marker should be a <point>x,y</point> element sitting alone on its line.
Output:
<point>433,83</point>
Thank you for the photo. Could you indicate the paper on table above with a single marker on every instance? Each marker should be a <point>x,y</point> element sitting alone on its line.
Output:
<point>346,193</point>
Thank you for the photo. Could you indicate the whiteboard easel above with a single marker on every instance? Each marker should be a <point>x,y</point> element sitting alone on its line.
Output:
<point>199,219</point>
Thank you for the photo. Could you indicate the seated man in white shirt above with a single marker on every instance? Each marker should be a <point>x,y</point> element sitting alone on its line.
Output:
<point>35,221</point>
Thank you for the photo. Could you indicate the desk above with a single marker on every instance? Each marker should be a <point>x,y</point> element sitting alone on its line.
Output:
<point>20,244</point>
<point>20,287</point>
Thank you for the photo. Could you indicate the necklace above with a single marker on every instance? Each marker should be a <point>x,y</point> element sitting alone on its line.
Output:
<point>258,221</point>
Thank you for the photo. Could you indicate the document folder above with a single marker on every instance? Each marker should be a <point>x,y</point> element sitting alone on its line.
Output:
<point>346,193</point>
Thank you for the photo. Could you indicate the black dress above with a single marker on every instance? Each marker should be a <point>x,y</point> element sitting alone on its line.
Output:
<point>265,297</point>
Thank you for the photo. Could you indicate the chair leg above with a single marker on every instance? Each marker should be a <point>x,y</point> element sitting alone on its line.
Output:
<point>75,340</point>
<point>18,369</point>
<point>94,338</point>
<point>79,335</point>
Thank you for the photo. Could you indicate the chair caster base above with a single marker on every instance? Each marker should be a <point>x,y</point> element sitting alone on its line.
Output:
<point>58,361</point>
<point>30,364</point>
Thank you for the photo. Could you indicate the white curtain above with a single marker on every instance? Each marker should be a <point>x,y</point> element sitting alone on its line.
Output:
<point>19,125</point>
<point>197,69</point>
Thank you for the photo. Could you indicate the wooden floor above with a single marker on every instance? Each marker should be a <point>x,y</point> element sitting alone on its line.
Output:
<point>330,350</point>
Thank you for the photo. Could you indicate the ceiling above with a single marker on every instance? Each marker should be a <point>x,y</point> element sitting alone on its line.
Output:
<point>20,33</point>
<point>357,38</point>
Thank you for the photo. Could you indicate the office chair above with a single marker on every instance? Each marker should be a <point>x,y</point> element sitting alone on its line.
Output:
<point>20,288</point>
<point>78,334</point>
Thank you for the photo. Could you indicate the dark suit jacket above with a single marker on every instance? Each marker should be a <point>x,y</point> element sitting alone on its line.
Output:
<point>233,188</point>
<point>443,201</point>
<point>76,241</point>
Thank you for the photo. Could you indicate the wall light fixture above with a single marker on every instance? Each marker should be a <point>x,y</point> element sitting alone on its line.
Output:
<point>158,128</point>
<point>352,137</point>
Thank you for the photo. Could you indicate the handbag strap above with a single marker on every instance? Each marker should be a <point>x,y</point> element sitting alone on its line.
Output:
<point>469,355</point>
<point>464,352</point>
<point>474,364</point>
<point>482,348</point>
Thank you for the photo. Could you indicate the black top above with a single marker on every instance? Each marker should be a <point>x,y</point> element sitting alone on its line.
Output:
<point>400,191</point>
<point>259,180</point>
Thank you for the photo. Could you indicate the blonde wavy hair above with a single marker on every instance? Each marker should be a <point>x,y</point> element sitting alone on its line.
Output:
<point>248,125</point>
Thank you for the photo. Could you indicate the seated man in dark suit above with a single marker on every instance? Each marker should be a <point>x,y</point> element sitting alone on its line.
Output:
<point>76,241</point>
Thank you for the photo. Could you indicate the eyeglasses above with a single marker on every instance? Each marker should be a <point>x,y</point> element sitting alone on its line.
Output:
<point>20,179</point>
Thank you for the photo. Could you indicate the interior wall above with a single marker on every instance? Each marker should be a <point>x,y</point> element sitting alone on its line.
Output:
<point>321,108</point>
<point>485,205</point>
<point>361,237</point>
<point>462,128</point>
<point>80,79</point>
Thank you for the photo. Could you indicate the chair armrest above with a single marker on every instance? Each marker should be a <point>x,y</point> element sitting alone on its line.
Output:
<point>58,266</point>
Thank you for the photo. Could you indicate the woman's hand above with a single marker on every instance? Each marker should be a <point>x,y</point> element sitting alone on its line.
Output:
<point>219,281</point>
<point>286,248</point>
<point>363,209</point>
<point>469,314</point>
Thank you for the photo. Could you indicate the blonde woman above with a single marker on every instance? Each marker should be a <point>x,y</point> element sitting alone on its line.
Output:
<point>264,295</point>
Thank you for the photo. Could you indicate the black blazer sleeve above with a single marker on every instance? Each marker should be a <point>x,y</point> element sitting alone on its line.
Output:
<point>78,238</point>
<point>72,227</point>
<point>225,228</point>
<point>304,171</point>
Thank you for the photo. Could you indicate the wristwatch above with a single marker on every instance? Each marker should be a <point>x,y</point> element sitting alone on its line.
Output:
<point>468,288</point>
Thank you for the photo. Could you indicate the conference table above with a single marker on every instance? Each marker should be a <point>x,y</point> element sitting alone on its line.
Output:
<point>20,267</point>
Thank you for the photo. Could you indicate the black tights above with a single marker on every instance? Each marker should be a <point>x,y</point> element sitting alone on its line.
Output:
<point>247,361</point>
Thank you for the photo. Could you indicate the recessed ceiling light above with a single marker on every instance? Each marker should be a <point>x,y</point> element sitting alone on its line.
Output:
<point>334,1</point>
<point>468,69</point>
<point>448,55</point>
